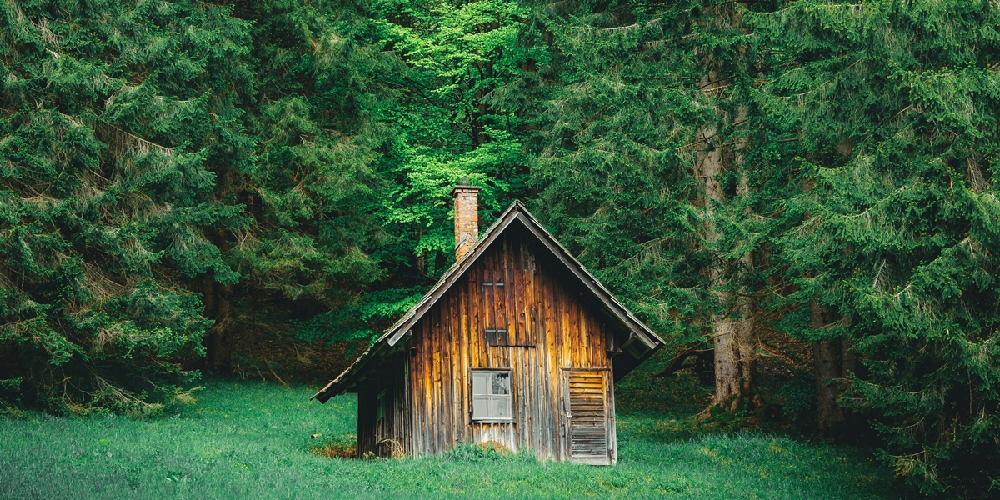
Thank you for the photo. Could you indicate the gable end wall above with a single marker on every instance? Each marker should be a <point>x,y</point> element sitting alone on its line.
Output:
<point>553,328</point>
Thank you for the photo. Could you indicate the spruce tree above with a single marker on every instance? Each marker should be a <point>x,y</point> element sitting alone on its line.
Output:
<point>105,157</point>
<point>884,120</point>
<point>640,167</point>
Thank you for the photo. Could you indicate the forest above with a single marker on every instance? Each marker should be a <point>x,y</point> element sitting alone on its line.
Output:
<point>799,196</point>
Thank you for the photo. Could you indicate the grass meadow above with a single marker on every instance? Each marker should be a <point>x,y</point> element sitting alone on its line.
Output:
<point>255,440</point>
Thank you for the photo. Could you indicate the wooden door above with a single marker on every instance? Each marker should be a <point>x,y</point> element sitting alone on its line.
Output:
<point>587,421</point>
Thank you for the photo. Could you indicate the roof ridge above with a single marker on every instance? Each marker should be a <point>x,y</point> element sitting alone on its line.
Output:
<point>516,211</point>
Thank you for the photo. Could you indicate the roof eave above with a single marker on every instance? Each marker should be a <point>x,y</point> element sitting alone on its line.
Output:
<point>390,337</point>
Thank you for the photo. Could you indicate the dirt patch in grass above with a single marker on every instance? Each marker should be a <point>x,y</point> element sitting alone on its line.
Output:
<point>335,450</point>
<point>346,446</point>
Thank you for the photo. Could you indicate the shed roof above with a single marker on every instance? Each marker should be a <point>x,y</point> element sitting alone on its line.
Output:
<point>515,214</point>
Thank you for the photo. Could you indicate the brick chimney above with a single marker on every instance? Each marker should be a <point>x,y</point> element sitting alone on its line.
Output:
<point>466,218</point>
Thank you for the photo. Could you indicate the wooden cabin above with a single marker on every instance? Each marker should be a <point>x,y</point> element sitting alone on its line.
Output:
<point>517,345</point>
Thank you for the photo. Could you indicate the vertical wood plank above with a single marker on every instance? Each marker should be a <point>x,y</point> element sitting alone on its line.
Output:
<point>483,318</point>
<point>613,421</point>
<point>463,371</point>
<point>580,322</point>
<point>562,316</point>
<point>450,381</point>
<point>428,381</point>
<point>475,344</point>
<point>438,417</point>
<point>415,401</point>
<point>551,326</point>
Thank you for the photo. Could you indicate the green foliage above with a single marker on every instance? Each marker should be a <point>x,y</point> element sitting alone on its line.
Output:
<point>151,153</point>
<point>96,221</point>
<point>614,154</point>
<point>363,321</point>
<point>312,190</point>
<point>798,400</point>
<point>456,118</point>
<point>893,110</point>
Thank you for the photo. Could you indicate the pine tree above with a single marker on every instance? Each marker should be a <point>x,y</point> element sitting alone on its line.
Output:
<point>145,155</point>
<point>884,118</point>
<point>640,165</point>
<point>105,206</point>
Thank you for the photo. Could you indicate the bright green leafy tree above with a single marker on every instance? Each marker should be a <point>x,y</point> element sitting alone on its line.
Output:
<point>455,120</point>
<point>455,116</point>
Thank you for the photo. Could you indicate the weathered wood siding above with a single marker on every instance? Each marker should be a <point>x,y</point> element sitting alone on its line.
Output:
<point>390,435</point>
<point>550,328</point>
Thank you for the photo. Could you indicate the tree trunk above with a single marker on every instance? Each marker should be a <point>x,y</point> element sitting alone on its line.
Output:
<point>218,306</point>
<point>735,361</point>
<point>221,349</point>
<point>733,333</point>
<point>849,358</point>
<point>218,341</point>
<point>829,361</point>
<point>826,360</point>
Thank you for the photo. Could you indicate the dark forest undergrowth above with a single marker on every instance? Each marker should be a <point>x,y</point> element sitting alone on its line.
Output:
<point>248,439</point>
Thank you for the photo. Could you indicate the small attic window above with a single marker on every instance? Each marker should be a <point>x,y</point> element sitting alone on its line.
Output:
<point>496,337</point>
<point>491,396</point>
<point>491,281</point>
<point>494,297</point>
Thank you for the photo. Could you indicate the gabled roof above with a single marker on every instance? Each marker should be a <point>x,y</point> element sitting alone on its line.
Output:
<point>515,214</point>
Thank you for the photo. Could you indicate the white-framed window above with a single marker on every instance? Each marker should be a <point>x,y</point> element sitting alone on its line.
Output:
<point>491,395</point>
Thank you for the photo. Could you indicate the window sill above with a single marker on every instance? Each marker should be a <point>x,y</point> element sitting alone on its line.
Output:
<point>492,421</point>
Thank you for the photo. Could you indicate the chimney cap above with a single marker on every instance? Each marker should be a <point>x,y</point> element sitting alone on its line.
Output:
<point>464,187</point>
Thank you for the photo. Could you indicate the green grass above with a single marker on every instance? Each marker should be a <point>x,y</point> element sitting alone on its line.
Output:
<point>252,440</point>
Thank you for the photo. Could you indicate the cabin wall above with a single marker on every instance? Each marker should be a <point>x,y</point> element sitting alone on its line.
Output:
<point>389,435</point>
<point>551,329</point>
